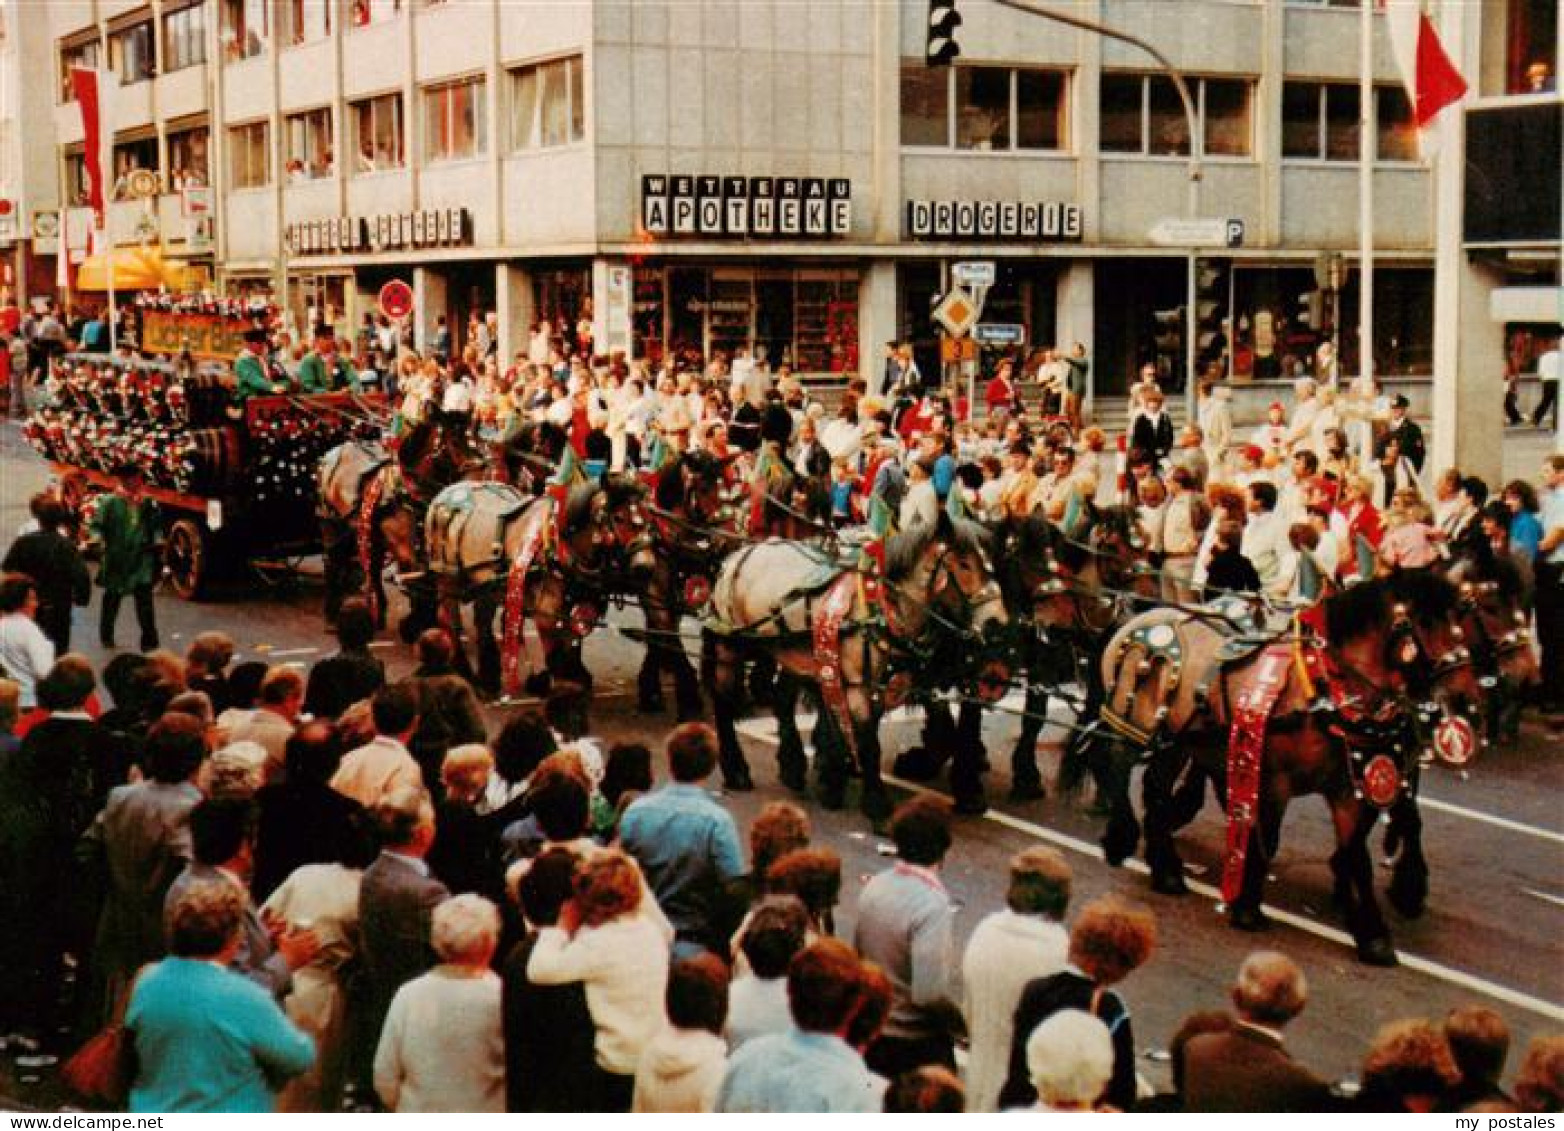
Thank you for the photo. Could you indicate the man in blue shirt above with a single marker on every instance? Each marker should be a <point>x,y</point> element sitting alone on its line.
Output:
<point>688,845</point>
<point>811,1067</point>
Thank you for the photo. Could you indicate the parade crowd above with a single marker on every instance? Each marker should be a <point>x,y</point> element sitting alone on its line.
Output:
<point>311,891</point>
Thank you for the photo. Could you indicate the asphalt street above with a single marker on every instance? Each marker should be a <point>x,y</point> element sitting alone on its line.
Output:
<point>1493,933</point>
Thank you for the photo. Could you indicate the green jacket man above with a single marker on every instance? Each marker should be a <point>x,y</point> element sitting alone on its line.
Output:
<point>128,523</point>
<point>250,375</point>
<point>323,370</point>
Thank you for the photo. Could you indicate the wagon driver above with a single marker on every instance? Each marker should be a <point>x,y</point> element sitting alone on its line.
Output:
<point>250,376</point>
<point>127,523</point>
<point>323,370</point>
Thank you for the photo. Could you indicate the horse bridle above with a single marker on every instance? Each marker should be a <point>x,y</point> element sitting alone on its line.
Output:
<point>1485,646</point>
<point>989,593</point>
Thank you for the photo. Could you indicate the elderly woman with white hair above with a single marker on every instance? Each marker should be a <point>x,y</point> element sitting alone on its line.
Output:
<point>442,1048</point>
<point>1070,1060</point>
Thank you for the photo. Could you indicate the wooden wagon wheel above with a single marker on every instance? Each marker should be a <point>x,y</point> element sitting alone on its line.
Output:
<point>185,557</point>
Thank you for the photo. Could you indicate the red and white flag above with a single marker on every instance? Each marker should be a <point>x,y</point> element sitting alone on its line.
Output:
<point>95,91</point>
<point>1432,80</point>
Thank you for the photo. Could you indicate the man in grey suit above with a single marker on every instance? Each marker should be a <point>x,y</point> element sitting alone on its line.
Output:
<point>396,900</point>
<point>222,836</point>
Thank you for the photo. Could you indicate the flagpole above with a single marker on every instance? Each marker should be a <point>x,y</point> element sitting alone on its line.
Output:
<point>1368,143</point>
<point>106,246</point>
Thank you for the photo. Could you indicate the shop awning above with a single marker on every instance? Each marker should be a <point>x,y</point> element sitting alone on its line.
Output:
<point>135,269</point>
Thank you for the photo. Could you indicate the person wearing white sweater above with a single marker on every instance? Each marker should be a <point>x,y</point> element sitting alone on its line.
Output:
<point>682,1069</point>
<point>1007,950</point>
<point>621,957</point>
<point>442,1048</point>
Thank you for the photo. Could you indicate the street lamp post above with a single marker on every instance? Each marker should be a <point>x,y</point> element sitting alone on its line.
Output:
<point>1196,147</point>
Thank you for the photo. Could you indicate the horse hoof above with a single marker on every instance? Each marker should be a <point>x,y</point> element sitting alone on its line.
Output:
<point>1169,883</point>
<point>737,781</point>
<point>875,804</point>
<point>970,805</point>
<point>916,764</point>
<point>1250,919</point>
<point>1024,790</point>
<point>1377,952</point>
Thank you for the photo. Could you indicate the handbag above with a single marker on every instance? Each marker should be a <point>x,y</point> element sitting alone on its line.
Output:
<point>102,1070</point>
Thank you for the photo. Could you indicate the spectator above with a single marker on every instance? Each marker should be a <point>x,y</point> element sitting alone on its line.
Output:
<point>222,838</point>
<point>384,763</point>
<point>396,901</point>
<point>206,667</point>
<point>688,845</point>
<point>523,742</point>
<point>627,775</point>
<point>1108,942</point>
<point>206,1039</point>
<point>681,1070</point>
<point>622,959</point>
<point>811,1067</point>
<point>1069,1059</point>
<point>926,1091</point>
<point>1520,499</point>
<point>271,723</point>
<point>1195,1025</point>
<point>26,654</point>
<point>1009,949</point>
<point>1408,1068</point>
<point>1539,1085</point>
<point>906,926</point>
<point>1247,1067</point>
<point>549,1035</point>
<point>301,819</point>
<point>448,711</point>
<point>773,936</point>
<point>779,828</point>
<point>814,875</point>
<point>56,566</point>
<point>1479,1042</point>
<point>442,1048</point>
<point>135,849</point>
<point>324,897</point>
<point>339,681</point>
<point>466,851</point>
<point>1550,585</point>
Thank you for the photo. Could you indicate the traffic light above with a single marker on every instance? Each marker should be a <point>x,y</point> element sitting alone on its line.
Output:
<point>943,22</point>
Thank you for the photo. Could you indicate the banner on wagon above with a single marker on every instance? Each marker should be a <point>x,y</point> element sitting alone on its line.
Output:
<point>208,337</point>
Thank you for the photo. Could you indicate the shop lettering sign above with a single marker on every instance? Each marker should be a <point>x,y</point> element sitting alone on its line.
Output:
<point>684,204</point>
<point>1023,221</point>
<point>389,231</point>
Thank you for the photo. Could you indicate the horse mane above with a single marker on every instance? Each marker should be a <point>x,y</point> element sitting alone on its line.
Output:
<point>1363,608</point>
<point>578,505</point>
<point>671,488</point>
<point>1501,569</point>
<point>903,551</point>
<point>1428,594</point>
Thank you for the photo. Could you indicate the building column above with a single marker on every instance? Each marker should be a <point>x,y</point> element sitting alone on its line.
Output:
<point>876,319</point>
<point>429,302</point>
<point>513,302</point>
<point>1468,406</point>
<point>1075,315</point>
<point>612,296</point>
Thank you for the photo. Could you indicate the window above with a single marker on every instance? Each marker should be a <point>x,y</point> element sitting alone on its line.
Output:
<point>309,146</point>
<point>130,52</point>
<point>1531,37</point>
<point>1144,114</point>
<point>304,21</point>
<point>129,156</point>
<point>377,134</point>
<point>366,12</point>
<point>77,187</point>
<point>81,54</point>
<point>1320,121</point>
<point>548,104</point>
<point>250,155</point>
<point>245,28</point>
<point>1395,131</point>
<point>189,157</point>
<point>184,37</point>
<point>984,108</point>
<point>454,120</point>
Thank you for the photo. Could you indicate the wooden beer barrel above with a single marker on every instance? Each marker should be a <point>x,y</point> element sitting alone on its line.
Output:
<point>213,460</point>
<point>206,400</point>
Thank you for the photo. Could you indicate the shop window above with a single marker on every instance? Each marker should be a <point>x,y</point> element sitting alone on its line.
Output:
<point>548,104</point>
<point>1397,131</point>
<point>304,21</point>
<point>454,120</point>
<point>130,156</point>
<point>77,187</point>
<point>246,27</point>
<point>310,153</point>
<point>84,53</point>
<point>1531,46</point>
<point>1320,121</point>
<point>130,52</point>
<point>366,12</point>
<point>249,149</point>
<point>991,108</point>
<point>184,37</point>
<point>1144,114</point>
<point>189,158</point>
<point>377,134</point>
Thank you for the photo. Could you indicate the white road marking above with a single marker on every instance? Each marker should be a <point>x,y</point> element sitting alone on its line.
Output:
<point>292,652</point>
<point>764,730</point>
<point>1556,900</point>
<point>1489,819</point>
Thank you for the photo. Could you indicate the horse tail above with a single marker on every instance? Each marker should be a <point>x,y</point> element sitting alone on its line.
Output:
<point>1075,766</point>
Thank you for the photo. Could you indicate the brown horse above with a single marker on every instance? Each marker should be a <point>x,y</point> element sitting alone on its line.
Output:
<point>1493,616</point>
<point>1344,724</point>
<point>860,641</point>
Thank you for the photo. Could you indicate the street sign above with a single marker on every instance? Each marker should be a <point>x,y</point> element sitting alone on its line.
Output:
<point>1000,333</point>
<point>1176,232</point>
<point>957,312</point>
<point>978,273</point>
<point>396,299</point>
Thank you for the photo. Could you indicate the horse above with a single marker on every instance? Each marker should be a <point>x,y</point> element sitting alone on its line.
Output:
<point>1493,616</point>
<point>1341,721</point>
<point>860,638</point>
<point>528,456</point>
<point>492,546</point>
<point>370,507</point>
